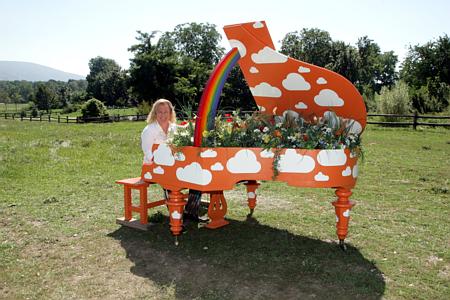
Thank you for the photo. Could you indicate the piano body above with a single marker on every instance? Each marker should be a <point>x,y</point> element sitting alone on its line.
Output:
<point>278,83</point>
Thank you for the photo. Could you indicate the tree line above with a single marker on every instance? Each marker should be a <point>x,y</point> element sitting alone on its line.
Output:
<point>178,63</point>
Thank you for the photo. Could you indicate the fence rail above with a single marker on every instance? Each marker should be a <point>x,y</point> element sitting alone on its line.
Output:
<point>119,118</point>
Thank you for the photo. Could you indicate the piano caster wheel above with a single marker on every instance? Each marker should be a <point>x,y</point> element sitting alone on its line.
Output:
<point>251,213</point>
<point>342,245</point>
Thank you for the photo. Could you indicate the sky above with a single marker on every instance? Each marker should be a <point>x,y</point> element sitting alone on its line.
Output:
<point>66,34</point>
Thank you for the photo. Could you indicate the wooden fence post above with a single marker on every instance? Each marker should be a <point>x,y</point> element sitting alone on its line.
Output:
<point>415,117</point>
<point>49,118</point>
<point>67,119</point>
<point>59,118</point>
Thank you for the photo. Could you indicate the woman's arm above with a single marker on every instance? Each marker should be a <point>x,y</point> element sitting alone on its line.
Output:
<point>147,141</point>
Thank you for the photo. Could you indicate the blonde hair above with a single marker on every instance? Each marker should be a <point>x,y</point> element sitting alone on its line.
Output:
<point>152,114</point>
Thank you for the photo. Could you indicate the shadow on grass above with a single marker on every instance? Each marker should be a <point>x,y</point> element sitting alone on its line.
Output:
<point>248,260</point>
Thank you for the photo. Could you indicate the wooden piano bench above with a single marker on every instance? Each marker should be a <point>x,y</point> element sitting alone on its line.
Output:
<point>130,184</point>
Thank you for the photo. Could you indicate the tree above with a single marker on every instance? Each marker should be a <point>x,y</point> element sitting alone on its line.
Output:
<point>345,61</point>
<point>106,81</point>
<point>44,98</point>
<point>310,45</point>
<point>177,66</point>
<point>197,41</point>
<point>426,69</point>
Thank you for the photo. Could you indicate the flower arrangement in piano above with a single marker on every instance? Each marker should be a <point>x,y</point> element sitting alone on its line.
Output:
<point>266,131</point>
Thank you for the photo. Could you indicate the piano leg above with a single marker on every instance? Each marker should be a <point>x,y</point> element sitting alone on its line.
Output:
<point>176,203</point>
<point>252,186</point>
<point>217,210</point>
<point>342,207</point>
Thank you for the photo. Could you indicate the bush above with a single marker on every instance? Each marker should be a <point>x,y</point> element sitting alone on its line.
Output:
<point>394,101</point>
<point>93,108</point>
<point>144,108</point>
<point>34,112</point>
<point>70,108</point>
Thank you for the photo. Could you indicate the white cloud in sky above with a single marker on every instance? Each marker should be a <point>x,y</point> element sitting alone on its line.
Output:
<point>331,158</point>
<point>209,153</point>
<point>194,173</point>
<point>240,46</point>
<point>163,156</point>
<point>327,97</point>
<point>296,82</point>
<point>217,167</point>
<point>244,161</point>
<point>265,90</point>
<point>346,213</point>
<point>268,56</point>
<point>292,162</point>
<point>148,175</point>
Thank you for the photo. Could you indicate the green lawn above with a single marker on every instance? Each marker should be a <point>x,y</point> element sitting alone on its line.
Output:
<point>59,240</point>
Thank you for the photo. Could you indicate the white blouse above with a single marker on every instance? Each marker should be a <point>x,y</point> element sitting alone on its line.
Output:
<point>154,134</point>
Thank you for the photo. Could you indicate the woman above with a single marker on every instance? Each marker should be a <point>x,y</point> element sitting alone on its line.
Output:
<point>161,121</point>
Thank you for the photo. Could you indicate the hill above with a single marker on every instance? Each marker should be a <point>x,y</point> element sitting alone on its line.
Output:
<point>18,70</point>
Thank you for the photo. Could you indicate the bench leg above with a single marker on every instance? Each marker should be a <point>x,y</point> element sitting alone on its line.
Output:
<point>127,202</point>
<point>143,211</point>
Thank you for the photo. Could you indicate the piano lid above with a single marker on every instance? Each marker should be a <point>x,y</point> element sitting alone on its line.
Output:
<point>279,83</point>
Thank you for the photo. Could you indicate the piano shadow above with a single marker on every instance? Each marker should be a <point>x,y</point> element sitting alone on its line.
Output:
<point>249,260</point>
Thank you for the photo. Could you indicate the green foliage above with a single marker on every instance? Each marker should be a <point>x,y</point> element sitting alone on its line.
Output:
<point>107,82</point>
<point>44,98</point>
<point>70,108</point>
<point>426,69</point>
<point>309,45</point>
<point>144,108</point>
<point>263,131</point>
<point>93,108</point>
<point>394,101</point>
<point>364,65</point>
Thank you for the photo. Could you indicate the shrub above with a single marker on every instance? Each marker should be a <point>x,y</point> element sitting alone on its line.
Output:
<point>144,108</point>
<point>70,108</point>
<point>93,108</point>
<point>394,101</point>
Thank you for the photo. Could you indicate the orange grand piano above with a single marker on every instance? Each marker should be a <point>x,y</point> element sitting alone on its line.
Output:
<point>278,84</point>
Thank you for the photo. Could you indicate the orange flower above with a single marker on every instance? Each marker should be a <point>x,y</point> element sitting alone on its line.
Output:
<point>277,133</point>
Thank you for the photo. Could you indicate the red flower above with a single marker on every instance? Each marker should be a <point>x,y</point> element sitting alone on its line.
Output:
<point>227,115</point>
<point>229,120</point>
<point>305,137</point>
<point>183,123</point>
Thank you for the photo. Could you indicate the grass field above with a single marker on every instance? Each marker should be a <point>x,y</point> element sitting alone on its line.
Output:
<point>59,240</point>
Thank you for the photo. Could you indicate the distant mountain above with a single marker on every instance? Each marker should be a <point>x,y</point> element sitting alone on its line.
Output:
<point>19,70</point>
